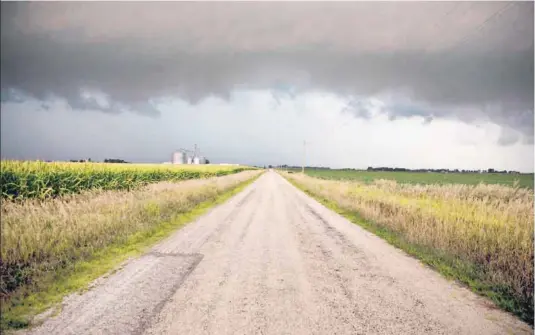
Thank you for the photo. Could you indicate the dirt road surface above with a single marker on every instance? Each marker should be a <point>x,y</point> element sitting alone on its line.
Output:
<point>274,261</point>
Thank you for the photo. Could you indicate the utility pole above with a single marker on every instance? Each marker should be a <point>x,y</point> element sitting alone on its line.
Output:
<point>304,154</point>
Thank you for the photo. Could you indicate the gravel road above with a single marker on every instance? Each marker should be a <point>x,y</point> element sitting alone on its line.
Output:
<point>274,261</point>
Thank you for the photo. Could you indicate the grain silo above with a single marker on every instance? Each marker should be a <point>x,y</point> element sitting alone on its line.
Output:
<point>196,160</point>
<point>190,160</point>
<point>179,157</point>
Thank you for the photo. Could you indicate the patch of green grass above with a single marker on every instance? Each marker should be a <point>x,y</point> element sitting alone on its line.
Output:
<point>450,267</point>
<point>50,289</point>
<point>523,180</point>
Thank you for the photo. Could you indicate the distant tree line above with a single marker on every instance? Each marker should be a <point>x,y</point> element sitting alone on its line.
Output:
<point>114,160</point>
<point>80,160</point>
<point>306,167</point>
<point>440,170</point>
<point>107,160</point>
<point>396,169</point>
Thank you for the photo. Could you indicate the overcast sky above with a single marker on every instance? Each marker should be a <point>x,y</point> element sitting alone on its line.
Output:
<point>407,84</point>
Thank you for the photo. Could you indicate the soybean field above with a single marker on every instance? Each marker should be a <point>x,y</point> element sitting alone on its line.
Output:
<point>523,180</point>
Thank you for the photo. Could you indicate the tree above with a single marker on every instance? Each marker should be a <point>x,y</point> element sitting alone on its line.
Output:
<point>114,160</point>
<point>207,161</point>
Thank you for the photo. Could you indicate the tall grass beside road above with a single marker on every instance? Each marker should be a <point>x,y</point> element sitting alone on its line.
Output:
<point>42,241</point>
<point>481,234</point>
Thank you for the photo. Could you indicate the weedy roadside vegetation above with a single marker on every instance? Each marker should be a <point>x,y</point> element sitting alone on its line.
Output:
<point>43,237</point>
<point>481,235</point>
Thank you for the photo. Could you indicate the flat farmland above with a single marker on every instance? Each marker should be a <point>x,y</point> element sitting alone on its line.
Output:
<point>524,180</point>
<point>36,179</point>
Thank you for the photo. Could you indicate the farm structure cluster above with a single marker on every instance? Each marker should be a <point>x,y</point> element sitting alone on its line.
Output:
<point>184,156</point>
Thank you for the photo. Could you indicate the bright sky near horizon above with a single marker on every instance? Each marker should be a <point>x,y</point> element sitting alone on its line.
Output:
<point>406,84</point>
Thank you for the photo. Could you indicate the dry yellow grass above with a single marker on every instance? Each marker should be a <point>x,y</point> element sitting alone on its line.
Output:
<point>490,226</point>
<point>45,235</point>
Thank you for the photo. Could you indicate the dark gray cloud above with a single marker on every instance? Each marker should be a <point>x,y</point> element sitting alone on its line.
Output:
<point>452,60</point>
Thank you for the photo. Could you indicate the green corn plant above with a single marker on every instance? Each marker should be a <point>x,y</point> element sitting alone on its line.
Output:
<point>34,179</point>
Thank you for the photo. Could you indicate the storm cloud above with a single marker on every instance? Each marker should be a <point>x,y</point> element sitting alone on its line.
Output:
<point>468,61</point>
<point>443,54</point>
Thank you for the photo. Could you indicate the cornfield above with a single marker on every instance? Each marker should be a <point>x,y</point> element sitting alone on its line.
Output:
<point>34,179</point>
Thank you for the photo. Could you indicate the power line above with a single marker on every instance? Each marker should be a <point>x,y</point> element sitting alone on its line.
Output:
<point>467,36</point>
<point>484,23</point>
<point>442,21</point>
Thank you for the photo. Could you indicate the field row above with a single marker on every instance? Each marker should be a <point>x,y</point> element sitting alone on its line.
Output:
<point>479,234</point>
<point>524,180</point>
<point>25,179</point>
